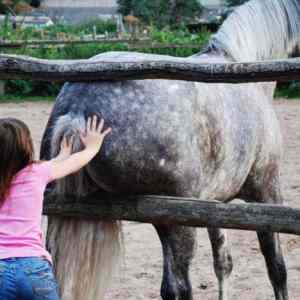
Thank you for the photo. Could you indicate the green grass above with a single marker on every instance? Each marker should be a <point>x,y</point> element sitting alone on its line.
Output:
<point>21,98</point>
<point>289,91</point>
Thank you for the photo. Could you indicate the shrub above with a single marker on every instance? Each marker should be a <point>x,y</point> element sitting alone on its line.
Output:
<point>161,12</point>
<point>235,2</point>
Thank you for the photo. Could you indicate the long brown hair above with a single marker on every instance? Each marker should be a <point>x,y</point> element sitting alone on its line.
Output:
<point>16,151</point>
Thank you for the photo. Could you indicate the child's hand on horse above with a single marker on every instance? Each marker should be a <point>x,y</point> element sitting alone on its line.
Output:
<point>94,136</point>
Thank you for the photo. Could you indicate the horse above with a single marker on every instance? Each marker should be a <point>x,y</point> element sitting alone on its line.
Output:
<point>177,138</point>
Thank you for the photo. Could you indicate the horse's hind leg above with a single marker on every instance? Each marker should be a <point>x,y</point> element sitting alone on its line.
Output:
<point>270,247</point>
<point>222,259</point>
<point>266,189</point>
<point>178,250</point>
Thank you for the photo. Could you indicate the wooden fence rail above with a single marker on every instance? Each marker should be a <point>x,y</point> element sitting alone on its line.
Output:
<point>126,66</point>
<point>174,210</point>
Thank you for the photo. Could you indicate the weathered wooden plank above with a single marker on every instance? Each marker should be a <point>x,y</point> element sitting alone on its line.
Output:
<point>145,67</point>
<point>174,210</point>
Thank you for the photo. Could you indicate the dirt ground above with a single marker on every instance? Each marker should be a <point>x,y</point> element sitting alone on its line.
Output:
<point>140,277</point>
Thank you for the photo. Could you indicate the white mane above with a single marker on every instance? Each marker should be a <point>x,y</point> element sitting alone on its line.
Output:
<point>260,30</point>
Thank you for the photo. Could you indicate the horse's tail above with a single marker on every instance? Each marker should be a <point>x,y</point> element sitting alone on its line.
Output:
<point>85,252</point>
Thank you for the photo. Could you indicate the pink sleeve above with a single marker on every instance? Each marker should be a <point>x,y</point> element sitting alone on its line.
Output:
<point>44,171</point>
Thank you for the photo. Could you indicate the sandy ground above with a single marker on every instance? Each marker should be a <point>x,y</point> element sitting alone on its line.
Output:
<point>140,277</point>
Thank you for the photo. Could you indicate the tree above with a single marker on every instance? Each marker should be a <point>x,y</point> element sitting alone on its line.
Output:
<point>125,7</point>
<point>35,3</point>
<point>235,2</point>
<point>14,6</point>
<point>183,10</point>
<point>161,12</point>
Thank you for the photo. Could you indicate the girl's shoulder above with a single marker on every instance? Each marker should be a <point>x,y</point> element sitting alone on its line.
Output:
<point>39,165</point>
<point>42,169</point>
<point>38,169</point>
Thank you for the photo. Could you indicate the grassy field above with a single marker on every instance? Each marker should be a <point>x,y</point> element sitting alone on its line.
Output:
<point>20,98</point>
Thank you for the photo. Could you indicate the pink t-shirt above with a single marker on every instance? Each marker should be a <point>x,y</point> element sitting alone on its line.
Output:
<point>21,214</point>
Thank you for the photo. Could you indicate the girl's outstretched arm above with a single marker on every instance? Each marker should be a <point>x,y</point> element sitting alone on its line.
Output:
<point>65,149</point>
<point>66,163</point>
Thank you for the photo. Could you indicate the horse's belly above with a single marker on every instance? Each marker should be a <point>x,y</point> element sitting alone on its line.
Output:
<point>155,174</point>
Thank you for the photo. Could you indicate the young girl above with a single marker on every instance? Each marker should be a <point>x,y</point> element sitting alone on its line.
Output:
<point>25,265</point>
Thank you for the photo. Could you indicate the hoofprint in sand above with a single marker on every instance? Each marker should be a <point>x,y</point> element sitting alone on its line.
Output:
<point>140,275</point>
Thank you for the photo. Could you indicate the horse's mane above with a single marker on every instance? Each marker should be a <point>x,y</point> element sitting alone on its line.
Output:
<point>259,30</point>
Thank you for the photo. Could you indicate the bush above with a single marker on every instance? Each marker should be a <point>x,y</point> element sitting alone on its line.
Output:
<point>235,2</point>
<point>51,32</point>
<point>81,29</point>
<point>180,36</point>
<point>12,6</point>
<point>161,12</point>
<point>102,27</point>
<point>30,88</point>
<point>288,90</point>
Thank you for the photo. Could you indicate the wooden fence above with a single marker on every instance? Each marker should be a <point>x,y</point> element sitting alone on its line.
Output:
<point>127,66</point>
<point>158,209</point>
<point>174,210</point>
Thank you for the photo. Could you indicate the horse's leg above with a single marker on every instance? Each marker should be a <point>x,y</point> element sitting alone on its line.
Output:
<point>222,259</point>
<point>266,189</point>
<point>270,247</point>
<point>178,250</point>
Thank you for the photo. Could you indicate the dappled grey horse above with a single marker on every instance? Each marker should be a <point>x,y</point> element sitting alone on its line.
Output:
<point>208,141</point>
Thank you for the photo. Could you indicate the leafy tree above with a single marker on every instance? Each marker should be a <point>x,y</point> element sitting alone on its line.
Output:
<point>35,3</point>
<point>161,12</point>
<point>125,7</point>
<point>11,6</point>
<point>183,10</point>
<point>235,2</point>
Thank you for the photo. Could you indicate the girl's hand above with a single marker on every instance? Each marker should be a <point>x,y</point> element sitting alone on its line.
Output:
<point>93,137</point>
